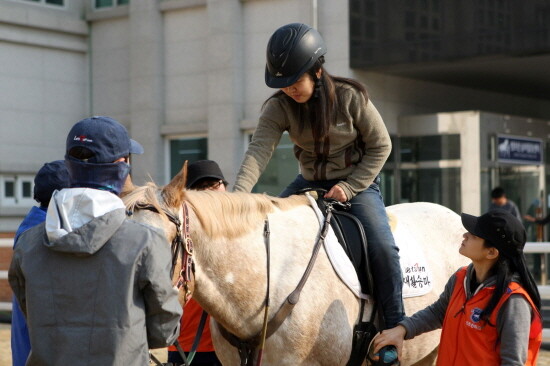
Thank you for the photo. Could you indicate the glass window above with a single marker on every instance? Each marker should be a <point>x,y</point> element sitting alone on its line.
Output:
<point>103,3</point>
<point>410,19</point>
<point>49,2</point>
<point>109,3</point>
<point>191,149</point>
<point>16,190</point>
<point>436,185</point>
<point>439,147</point>
<point>370,7</point>
<point>408,148</point>
<point>387,186</point>
<point>430,148</point>
<point>521,185</point>
<point>26,191</point>
<point>9,189</point>
<point>281,170</point>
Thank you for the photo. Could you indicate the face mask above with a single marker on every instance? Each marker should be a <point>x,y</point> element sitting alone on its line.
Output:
<point>109,177</point>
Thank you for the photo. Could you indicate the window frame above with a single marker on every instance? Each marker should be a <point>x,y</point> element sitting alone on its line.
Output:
<point>115,4</point>
<point>18,200</point>
<point>43,3</point>
<point>167,152</point>
<point>247,135</point>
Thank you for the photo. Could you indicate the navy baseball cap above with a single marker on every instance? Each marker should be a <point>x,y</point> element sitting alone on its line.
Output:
<point>499,228</point>
<point>203,169</point>
<point>50,177</point>
<point>106,138</point>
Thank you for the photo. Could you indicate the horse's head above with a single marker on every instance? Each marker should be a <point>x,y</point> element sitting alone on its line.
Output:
<point>161,207</point>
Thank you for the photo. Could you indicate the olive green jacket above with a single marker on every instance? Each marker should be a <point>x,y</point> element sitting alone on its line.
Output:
<point>355,151</point>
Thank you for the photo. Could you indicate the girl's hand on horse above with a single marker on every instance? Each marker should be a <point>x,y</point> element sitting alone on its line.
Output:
<point>336,193</point>
<point>394,336</point>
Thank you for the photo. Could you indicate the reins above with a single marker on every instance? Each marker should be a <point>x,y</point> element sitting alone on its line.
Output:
<point>181,246</point>
<point>246,348</point>
<point>181,243</point>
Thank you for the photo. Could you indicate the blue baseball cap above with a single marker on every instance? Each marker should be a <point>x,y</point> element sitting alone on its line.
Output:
<point>50,177</point>
<point>106,138</point>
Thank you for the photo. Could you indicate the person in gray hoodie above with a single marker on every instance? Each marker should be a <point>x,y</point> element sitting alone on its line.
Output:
<point>94,285</point>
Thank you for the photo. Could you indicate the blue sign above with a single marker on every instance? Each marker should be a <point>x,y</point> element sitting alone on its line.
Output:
<point>519,150</point>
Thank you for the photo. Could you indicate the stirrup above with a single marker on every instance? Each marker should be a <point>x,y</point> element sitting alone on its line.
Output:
<point>381,354</point>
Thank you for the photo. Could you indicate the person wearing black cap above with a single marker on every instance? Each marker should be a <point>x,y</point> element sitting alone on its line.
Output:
<point>94,285</point>
<point>489,311</point>
<point>202,175</point>
<point>51,177</point>
<point>341,144</point>
<point>205,175</point>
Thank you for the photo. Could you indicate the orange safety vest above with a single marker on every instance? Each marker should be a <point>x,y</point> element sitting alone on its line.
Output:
<point>465,340</point>
<point>189,324</point>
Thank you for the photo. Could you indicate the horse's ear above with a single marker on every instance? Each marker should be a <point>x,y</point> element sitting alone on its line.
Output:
<point>173,192</point>
<point>128,186</point>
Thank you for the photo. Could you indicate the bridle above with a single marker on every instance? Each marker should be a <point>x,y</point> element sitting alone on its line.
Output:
<point>181,246</point>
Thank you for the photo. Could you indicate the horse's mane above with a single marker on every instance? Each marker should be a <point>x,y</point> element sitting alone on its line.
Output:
<point>221,214</point>
<point>142,195</point>
<point>230,215</point>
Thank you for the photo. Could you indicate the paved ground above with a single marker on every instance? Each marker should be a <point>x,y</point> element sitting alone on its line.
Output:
<point>5,349</point>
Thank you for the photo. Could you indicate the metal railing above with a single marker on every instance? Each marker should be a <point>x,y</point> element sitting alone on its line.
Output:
<point>541,248</point>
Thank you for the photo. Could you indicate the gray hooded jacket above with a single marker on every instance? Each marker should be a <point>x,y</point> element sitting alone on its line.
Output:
<point>94,286</point>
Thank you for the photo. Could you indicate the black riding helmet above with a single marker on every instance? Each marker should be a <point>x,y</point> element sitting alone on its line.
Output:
<point>292,50</point>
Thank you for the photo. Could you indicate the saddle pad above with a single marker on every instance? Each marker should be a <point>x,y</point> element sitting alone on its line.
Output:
<point>337,256</point>
<point>417,277</point>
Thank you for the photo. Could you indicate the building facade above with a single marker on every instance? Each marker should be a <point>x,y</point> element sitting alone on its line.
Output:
<point>186,77</point>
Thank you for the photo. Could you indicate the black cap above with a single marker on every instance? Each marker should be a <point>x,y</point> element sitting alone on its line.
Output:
<point>105,137</point>
<point>500,229</point>
<point>203,169</point>
<point>50,177</point>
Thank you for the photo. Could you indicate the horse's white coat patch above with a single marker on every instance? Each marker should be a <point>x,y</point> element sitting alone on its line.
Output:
<point>229,278</point>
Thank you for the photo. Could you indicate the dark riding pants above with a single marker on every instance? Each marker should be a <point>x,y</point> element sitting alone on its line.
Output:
<point>369,208</point>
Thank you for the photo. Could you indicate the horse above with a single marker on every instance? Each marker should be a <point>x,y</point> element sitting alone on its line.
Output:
<point>230,277</point>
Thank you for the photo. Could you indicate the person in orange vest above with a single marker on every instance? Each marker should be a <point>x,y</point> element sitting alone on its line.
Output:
<point>489,311</point>
<point>201,175</point>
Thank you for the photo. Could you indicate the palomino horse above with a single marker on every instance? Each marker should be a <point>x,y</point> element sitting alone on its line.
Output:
<point>230,269</point>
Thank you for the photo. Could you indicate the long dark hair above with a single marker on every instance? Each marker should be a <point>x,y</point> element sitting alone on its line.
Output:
<point>321,110</point>
<point>504,269</point>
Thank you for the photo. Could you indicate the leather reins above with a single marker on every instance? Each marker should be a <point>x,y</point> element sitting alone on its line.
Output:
<point>248,347</point>
<point>181,246</point>
<point>182,243</point>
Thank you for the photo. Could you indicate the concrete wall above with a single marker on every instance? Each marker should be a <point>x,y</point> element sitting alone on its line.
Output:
<point>43,88</point>
<point>175,68</point>
<point>43,83</point>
